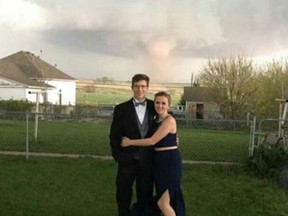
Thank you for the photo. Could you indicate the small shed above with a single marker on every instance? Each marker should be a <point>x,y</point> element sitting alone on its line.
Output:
<point>200,103</point>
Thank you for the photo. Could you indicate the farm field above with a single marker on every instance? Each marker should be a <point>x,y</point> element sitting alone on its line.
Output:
<point>85,186</point>
<point>89,92</point>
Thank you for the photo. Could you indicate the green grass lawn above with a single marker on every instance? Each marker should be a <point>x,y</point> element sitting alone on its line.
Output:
<point>93,138</point>
<point>86,186</point>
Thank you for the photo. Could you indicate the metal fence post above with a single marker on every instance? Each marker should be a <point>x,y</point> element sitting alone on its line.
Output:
<point>252,137</point>
<point>27,135</point>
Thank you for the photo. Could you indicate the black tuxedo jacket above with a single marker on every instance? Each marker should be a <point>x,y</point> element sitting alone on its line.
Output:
<point>125,124</point>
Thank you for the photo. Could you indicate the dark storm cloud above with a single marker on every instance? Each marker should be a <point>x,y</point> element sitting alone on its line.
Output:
<point>254,26</point>
<point>96,41</point>
<point>150,35</point>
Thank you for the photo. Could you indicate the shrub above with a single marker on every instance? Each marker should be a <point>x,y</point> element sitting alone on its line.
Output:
<point>16,105</point>
<point>268,161</point>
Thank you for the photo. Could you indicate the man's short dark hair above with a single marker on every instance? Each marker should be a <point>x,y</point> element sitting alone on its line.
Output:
<point>139,77</point>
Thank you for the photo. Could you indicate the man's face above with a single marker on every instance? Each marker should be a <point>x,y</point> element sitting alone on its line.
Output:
<point>139,89</point>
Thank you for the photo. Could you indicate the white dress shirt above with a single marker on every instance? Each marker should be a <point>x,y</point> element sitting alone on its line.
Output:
<point>140,110</point>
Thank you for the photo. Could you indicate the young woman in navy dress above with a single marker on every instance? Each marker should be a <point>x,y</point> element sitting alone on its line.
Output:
<point>167,161</point>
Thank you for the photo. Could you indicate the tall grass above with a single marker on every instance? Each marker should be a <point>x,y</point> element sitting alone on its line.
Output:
<point>86,186</point>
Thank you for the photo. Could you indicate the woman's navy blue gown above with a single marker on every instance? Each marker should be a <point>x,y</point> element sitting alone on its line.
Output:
<point>168,173</point>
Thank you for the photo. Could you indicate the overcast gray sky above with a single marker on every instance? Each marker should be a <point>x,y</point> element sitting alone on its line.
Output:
<point>166,39</point>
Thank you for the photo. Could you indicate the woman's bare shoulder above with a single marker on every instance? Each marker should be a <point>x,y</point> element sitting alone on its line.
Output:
<point>170,120</point>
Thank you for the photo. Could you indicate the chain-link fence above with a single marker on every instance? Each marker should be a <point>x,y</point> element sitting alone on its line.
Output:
<point>199,140</point>
<point>271,132</point>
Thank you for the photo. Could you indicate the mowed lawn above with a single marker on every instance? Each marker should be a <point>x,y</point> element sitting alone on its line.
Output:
<point>85,186</point>
<point>92,138</point>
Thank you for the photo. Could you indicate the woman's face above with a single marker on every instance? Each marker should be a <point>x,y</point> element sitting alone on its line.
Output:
<point>161,105</point>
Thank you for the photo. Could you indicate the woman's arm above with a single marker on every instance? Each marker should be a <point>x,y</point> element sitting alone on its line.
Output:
<point>169,125</point>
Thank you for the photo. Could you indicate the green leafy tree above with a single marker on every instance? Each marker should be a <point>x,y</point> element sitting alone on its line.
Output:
<point>105,79</point>
<point>272,85</point>
<point>182,101</point>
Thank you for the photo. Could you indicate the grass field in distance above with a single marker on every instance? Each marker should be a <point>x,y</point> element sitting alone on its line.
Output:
<point>92,92</point>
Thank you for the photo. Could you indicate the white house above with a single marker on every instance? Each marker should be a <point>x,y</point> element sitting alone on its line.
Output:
<point>24,76</point>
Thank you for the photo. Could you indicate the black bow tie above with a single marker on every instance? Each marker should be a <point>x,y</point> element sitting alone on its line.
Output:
<point>140,103</point>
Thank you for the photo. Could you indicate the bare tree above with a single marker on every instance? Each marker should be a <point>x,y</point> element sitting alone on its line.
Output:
<point>232,79</point>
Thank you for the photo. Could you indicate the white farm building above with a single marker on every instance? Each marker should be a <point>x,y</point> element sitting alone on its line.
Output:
<point>24,75</point>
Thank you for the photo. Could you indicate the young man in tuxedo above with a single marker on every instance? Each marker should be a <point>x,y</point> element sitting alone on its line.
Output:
<point>134,119</point>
